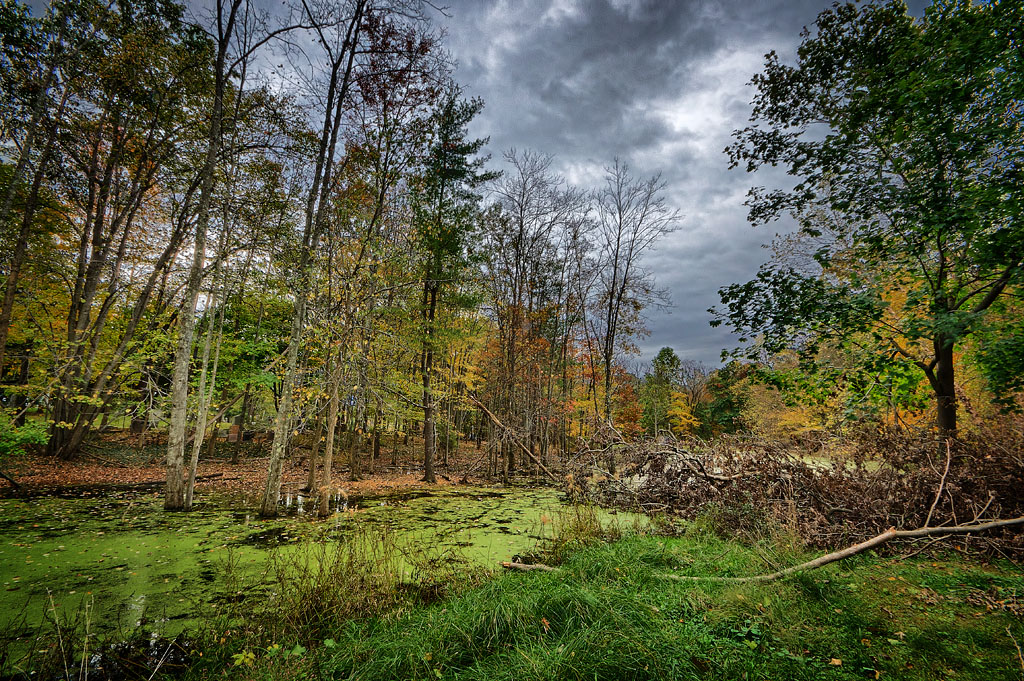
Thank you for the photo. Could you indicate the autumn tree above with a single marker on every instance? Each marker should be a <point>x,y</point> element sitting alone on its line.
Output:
<point>523,252</point>
<point>444,204</point>
<point>125,125</point>
<point>904,137</point>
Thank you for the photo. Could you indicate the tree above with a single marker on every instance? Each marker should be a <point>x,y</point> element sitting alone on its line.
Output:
<point>177,496</point>
<point>338,33</point>
<point>126,126</point>
<point>445,202</point>
<point>905,138</point>
<point>524,252</point>
<point>632,215</point>
<point>657,390</point>
<point>727,396</point>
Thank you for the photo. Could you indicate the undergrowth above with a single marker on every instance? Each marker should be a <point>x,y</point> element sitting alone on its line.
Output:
<point>370,609</point>
<point>609,612</point>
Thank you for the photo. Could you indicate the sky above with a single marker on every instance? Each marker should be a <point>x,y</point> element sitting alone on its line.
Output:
<point>660,84</point>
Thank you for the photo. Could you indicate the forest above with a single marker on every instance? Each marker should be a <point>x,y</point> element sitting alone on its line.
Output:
<point>298,381</point>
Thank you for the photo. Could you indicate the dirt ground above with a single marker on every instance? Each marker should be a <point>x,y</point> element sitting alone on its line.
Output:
<point>113,459</point>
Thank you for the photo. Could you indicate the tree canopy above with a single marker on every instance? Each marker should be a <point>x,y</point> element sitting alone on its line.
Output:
<point>904,137</point>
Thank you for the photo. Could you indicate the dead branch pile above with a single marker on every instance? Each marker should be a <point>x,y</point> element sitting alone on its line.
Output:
<point>891,480</point>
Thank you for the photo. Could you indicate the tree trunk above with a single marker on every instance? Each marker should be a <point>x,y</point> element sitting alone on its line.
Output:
<point>375,448</point>
<point>316,207</point>
<point>206,394</point>
<point>394,444</point>
<point>429,441</point>
<point>945,389</point>
<point>317,434</point>
<point>282,422</point>
<point>608,388</point>
<point>246,407</point>
<point>332,423</point>
<point>175,496</point>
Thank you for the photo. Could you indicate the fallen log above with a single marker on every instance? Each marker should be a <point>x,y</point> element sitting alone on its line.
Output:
<point>10,480</point>
<point>511,437</point>
<point>528,567</point>
<point>821,561</point>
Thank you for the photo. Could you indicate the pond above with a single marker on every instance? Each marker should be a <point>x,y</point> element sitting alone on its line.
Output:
<point>118,557</point>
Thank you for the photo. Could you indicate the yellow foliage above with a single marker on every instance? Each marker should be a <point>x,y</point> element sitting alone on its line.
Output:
<point>680,415</point>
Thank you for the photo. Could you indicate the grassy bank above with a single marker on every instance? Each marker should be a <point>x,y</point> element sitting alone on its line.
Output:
<point>607,614</point>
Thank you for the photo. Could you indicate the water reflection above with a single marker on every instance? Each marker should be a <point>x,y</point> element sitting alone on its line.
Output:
<point>305,504</point>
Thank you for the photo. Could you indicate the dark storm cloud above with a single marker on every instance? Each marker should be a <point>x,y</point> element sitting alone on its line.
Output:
<point>660,84</point>
<point>572,78</point>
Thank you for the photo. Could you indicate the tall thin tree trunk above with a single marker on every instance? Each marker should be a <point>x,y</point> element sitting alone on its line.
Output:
<point>315,453</point>
<point>316,206</point>
<point>174,498</point>
<point>202,409</point>
<point>332,425</point>
<point>354,439</point>
<point>282,422</point>
<point>429,440</point>
<point>216,312</point>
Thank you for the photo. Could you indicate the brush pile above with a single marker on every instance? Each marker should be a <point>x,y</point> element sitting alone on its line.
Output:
<point>828,497</point>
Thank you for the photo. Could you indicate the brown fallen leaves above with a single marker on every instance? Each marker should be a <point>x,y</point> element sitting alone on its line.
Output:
<point>100,466</point>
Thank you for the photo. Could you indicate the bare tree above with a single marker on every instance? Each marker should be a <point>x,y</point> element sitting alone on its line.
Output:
<point>632,215</point>
<point>525,269</point>
<point>691,379</point>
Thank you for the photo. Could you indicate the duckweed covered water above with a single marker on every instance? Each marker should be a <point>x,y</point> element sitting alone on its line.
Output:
<point>132,564</point>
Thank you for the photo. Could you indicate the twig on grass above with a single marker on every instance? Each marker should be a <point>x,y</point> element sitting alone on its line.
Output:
<point>1020,657</point>
<point>821,561</point>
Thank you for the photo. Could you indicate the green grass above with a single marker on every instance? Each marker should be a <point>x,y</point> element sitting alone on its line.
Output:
<point>607,614</point>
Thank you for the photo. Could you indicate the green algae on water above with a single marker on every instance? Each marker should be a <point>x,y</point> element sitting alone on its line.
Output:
<point>134,565</point>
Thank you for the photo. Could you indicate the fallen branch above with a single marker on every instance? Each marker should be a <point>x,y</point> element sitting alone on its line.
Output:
<point>473,466</point>
<point>528,567</point>
<point>942,484</point>
<point>1020,656</point>
<point>821,561</point>
<point>511,437</point>
<point>10,480</point>
<point>886,536</point>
